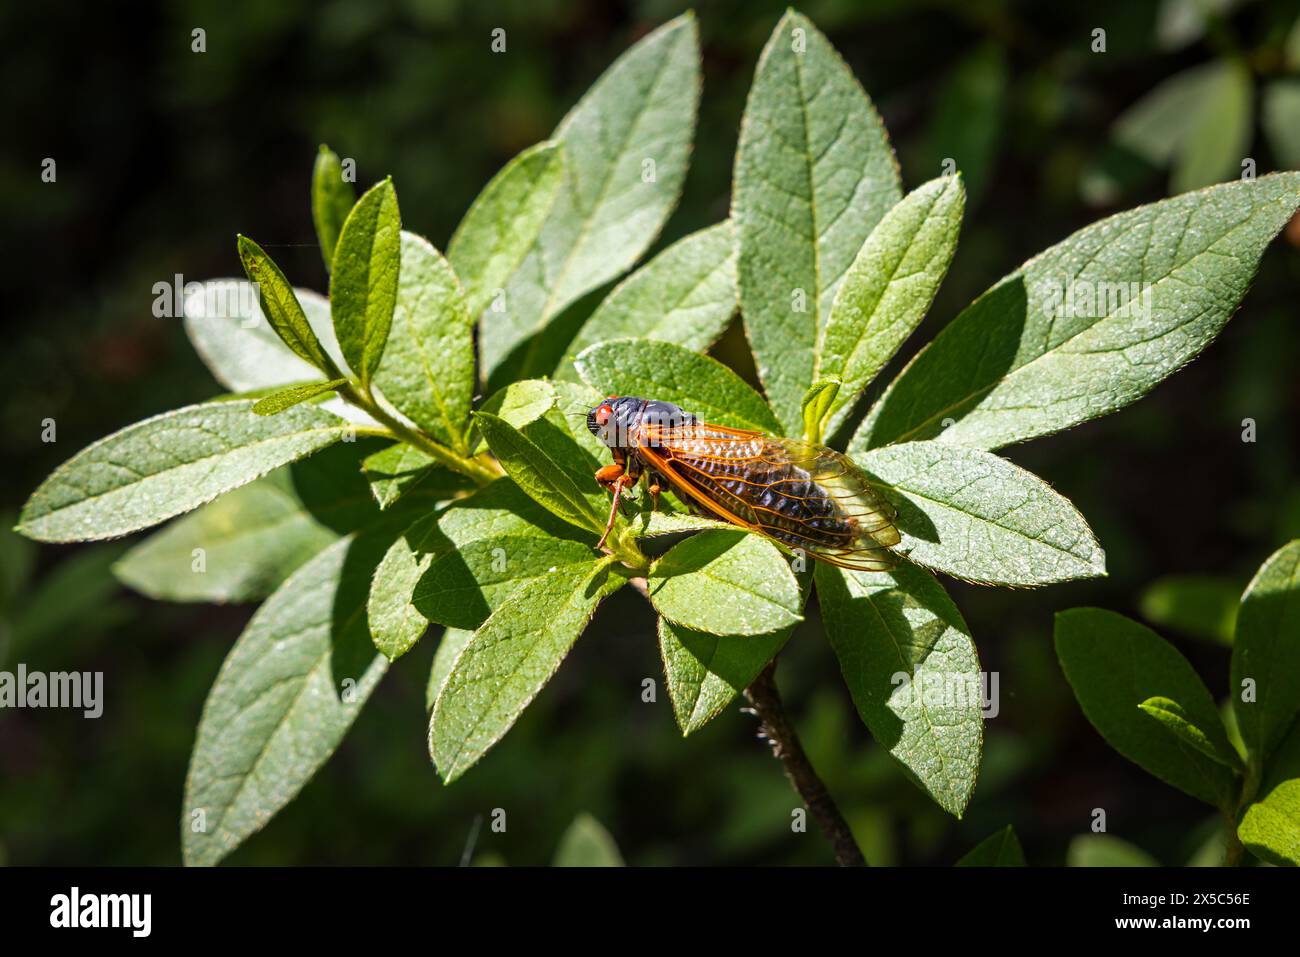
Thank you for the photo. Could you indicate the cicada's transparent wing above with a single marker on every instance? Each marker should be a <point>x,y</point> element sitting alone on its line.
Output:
<point>805,496</point>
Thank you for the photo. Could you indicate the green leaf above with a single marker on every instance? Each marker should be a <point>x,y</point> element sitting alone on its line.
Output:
<point>510,659</point>
<point>726,583</point>
<point>817,403</point>
<point>913,672</point>
<point>610,208</point>
<point>277,402</point>
<point>671,373</point>
<point>587,844</point>
<point>232,336</point>
<point>1009,368</point>
<point>669,520</point>
<point>504,222</point>
<point>1102,850</point>
<point>814,175</point>
<point>287,693</point>
<point>427,370</point>
<point>1203,606</point>
<point>685,295</point>
<point>1114,664</point>
<point>888,290</point>
<point>253,538</point>
<point>1280,120</point>
<point>1211,742</point>
<point>452,644</point>
<point>1266,652</point>
<point>974,515</point>
<point>552,415</point>
<point>281,307</point>
<point>331,201</point>
<point>1270,827</point>
<point>456,566</point>
<point>164,466</point>
<point>75,597</point>
<point>705,672</point>
<point>1220,132</point>
<point>400,469</point>
<point>534,471</point>
<point>998,850</point>
<point>364,280</point>
<point>1199,121</point>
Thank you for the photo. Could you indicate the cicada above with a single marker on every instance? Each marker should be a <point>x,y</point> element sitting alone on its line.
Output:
<point>802,495</point>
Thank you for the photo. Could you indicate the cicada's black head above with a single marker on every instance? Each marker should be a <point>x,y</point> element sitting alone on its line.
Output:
<point>617,420</point>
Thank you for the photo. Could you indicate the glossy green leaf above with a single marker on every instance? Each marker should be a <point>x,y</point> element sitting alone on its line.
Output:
<point>997,850</point>
<point>232,336</point>
<point>1114,664</point>
<point>427,370</point>
<point>1270,826</point>
<point>281,307</point>
<point>974,515</point>
<point>537,473</point>
<point>331,201</point>
<point>287,693</point>
<point>1203,606</point>
<point>165,466</point>
<point>1266,653</point>
<point>504,222</point>
<point>587,844</point>
<point>726,583</point>
<point>1211,742</point>
<point>364,280</point>
<point>685,295</point>
<point>911,667</point>
<point>1090,325</point>
<point>814,174</point>
<point>626,148</point>
<point>671,373</point>
<point>277,402</point>
<point>509,660</point>
<point>888,290</point>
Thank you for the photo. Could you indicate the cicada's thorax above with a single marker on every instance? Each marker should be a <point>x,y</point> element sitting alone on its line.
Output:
<point>633,422</point>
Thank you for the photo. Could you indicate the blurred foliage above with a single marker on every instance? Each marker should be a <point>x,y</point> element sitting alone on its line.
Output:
<point>163,154</point>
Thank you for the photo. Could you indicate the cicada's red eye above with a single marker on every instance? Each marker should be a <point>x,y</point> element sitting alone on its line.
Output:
<point>603,414</point>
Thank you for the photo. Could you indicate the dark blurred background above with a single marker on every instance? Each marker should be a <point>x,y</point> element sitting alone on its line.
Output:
<point>164,154</point>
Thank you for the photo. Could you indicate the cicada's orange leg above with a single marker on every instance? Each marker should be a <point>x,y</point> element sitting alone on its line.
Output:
<point>612,477</point>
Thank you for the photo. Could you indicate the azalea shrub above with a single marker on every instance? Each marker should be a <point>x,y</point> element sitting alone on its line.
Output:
<point>407,458</point>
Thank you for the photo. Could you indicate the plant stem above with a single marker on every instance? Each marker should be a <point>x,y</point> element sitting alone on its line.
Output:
<point>478,468</point>
<point>766,703</point>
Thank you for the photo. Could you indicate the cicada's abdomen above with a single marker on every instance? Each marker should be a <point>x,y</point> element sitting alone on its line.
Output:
<point>802,495</point>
